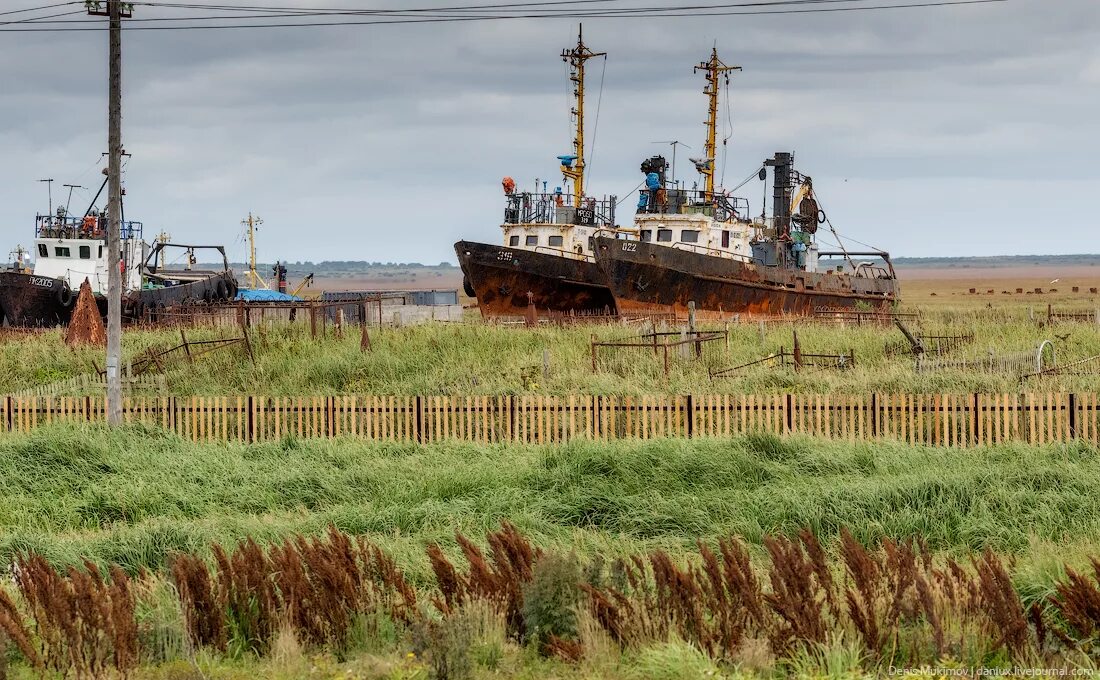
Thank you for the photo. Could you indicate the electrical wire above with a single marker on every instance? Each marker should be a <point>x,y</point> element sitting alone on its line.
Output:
<point>444,12</point>
<point>41,19</point>
<point>669,12</point>
<point>41,7</point>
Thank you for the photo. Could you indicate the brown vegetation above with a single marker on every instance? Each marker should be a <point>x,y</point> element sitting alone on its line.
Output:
<point>904,606</point>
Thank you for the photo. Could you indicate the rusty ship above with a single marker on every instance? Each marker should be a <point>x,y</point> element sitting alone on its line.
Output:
<point>546,259</point>
<point>699,246</point>
<point>70,249</point>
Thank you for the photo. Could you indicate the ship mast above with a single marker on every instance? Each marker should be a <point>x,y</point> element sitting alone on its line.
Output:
<point>714,70</point>
<point>254,278</point>
<point>576,58</point>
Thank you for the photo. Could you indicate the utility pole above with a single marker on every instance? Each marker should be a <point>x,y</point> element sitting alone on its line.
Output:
<point>115,12</point>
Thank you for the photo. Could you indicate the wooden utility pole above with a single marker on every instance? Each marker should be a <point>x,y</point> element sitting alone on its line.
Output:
<point>115,12</point>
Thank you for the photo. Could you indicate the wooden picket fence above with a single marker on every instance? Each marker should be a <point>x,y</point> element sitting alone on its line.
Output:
<point>955,420</point>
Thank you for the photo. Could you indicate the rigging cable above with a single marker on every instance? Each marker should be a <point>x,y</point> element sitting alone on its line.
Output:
<point>729,133</point>
<point>595,126</point>
<point>629,194</point>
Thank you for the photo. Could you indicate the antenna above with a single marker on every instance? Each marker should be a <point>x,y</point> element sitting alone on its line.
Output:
<point>70,187</point>
<point>674,143</point>
<point>49,191</point>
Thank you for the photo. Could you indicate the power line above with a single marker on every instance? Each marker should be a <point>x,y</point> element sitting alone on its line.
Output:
<point>671,12</point>
<point>41,7</point>
<point>444,12</point>
<point>34,20</point>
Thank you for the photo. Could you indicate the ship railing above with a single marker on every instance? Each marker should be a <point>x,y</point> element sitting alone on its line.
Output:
<point>707,250</point>
<point>534,208</point>
<point>886,272</point>
<point>560,252</point>
<point>686,201</point>
<point>89,226</point>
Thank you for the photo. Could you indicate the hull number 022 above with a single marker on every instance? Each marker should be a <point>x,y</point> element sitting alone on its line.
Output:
<point>629,247</point>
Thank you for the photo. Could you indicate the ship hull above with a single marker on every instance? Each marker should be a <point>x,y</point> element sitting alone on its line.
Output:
<point>150,303</point>
<point>501,278</point>
<point>646,278</point>
<point>34,301</point>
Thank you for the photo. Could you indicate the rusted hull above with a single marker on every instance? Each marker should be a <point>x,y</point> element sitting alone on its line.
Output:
<point>501,278</point>
<point>647,278</point>
<point>149,302</point>
<point>34,301</point>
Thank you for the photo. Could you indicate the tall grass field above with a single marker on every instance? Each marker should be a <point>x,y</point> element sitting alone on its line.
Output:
<point>483,359</point>
<point>143,499</point>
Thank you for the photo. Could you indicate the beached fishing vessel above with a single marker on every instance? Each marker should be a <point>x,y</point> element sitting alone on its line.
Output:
<point>546,259</point>
<point>701,247</point>
<point>70,249</point>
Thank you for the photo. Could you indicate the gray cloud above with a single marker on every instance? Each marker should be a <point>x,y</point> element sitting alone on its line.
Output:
<point>965,130</point>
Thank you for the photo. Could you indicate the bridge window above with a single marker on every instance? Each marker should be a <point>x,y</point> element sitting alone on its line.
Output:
<point>513,241</point>
<point>532,240</point>
<point>645,235</point>
<point>689,235</point>
<point>664,235</point>
<point>43,251</point>
<point>556,241</point>
<point>85,252</point>
<point>61,251</point>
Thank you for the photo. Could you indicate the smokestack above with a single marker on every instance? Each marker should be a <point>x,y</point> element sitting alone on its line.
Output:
<point>781,194</point>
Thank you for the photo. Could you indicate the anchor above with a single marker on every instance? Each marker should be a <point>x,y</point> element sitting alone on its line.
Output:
<point>640,285</point>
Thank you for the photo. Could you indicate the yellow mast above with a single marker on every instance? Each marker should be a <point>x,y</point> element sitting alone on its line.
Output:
<point>163,237</point>
<point>576,58</point>
<point>714,68</point>
<point>254,279</point>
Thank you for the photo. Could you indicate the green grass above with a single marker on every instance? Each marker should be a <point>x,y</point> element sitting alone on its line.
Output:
<point>136,495</point>
<point>478,359</point>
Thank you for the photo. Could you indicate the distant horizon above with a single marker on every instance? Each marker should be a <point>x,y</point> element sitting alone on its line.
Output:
<point>924,260</point>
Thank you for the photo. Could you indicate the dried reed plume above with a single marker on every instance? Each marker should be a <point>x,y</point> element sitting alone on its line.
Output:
<point>83,624</point>
<point>498,580</point>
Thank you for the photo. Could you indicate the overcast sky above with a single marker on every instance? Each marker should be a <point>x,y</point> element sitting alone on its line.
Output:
<point>965,130</point>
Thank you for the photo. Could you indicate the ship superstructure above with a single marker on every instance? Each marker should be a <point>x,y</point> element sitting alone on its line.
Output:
<point>71,249</point>
<point>546,257</point>
<point>700,245</point>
